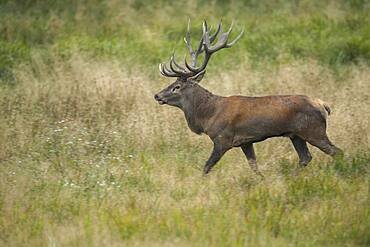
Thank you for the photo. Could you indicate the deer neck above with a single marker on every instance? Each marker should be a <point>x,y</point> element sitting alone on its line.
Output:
<point>198,106</point>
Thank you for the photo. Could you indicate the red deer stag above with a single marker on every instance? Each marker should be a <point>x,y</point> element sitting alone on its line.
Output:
<point>240,121</point>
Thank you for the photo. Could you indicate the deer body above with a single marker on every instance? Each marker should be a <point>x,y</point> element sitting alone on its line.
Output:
<point>249,118</point>
<point>240,121</point>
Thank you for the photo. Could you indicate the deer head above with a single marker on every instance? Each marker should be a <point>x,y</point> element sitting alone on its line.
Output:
<point>189,75</point>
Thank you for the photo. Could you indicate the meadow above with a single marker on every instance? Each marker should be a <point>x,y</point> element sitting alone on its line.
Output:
<point>88,158</point>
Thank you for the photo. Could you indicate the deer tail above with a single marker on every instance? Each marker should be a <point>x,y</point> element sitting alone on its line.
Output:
<point>324,106</point>
<point>327,107</point>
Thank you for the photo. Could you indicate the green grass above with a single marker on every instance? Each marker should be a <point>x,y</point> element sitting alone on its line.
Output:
<point>87,157</point>
<point>137,198</point>
<point>332,32</point>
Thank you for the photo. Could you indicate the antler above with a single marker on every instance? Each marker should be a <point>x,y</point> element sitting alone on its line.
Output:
<point>194,54</point>
<point>205,45</point>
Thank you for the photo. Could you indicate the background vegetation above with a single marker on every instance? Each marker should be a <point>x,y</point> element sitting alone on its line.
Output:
<point>87,158</point>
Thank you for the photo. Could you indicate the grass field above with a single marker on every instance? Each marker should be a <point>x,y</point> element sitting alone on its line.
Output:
<point>88,158</point>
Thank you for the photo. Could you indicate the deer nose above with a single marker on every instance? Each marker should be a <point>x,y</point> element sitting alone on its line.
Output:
<point>156,97</point>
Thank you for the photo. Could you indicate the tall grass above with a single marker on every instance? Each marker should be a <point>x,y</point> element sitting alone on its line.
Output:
<point>87,158</point>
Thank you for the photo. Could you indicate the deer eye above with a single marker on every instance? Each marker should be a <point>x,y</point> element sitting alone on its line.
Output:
<point>176,88</point>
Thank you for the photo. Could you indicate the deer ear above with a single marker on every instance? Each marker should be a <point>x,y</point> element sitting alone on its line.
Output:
<point>198,77</point>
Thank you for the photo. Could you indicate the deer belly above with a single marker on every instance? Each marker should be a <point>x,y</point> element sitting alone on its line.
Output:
<point>255,131</point>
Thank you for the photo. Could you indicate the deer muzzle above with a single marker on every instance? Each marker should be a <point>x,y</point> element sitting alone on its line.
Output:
<point>159,99</point>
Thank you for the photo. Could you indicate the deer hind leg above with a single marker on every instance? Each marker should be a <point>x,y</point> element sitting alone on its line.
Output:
<point>300,146</point>
<point>325,145</point>
<point>251,157</point>
<point>321,141</point>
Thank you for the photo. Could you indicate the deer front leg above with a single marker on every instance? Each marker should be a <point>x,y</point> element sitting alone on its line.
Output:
<point>251,157</point>
<point>218,151</point>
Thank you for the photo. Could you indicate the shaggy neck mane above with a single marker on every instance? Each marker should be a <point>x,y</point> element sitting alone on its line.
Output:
<point>199,106</point>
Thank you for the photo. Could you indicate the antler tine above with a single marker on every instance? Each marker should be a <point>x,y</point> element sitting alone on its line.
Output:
<point>230,28</point>
<point>199,51</point>
<point>213,36</point>
<point>160,67</point>
<point>204,27</point>
<point>189,67</point>
<point>182,71</point>
<point>235,40</point>
<point>178,65</point>
<point>193,54</point>
<point>165,71</point>
<point>187,39</point>
<point>168,72</point>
